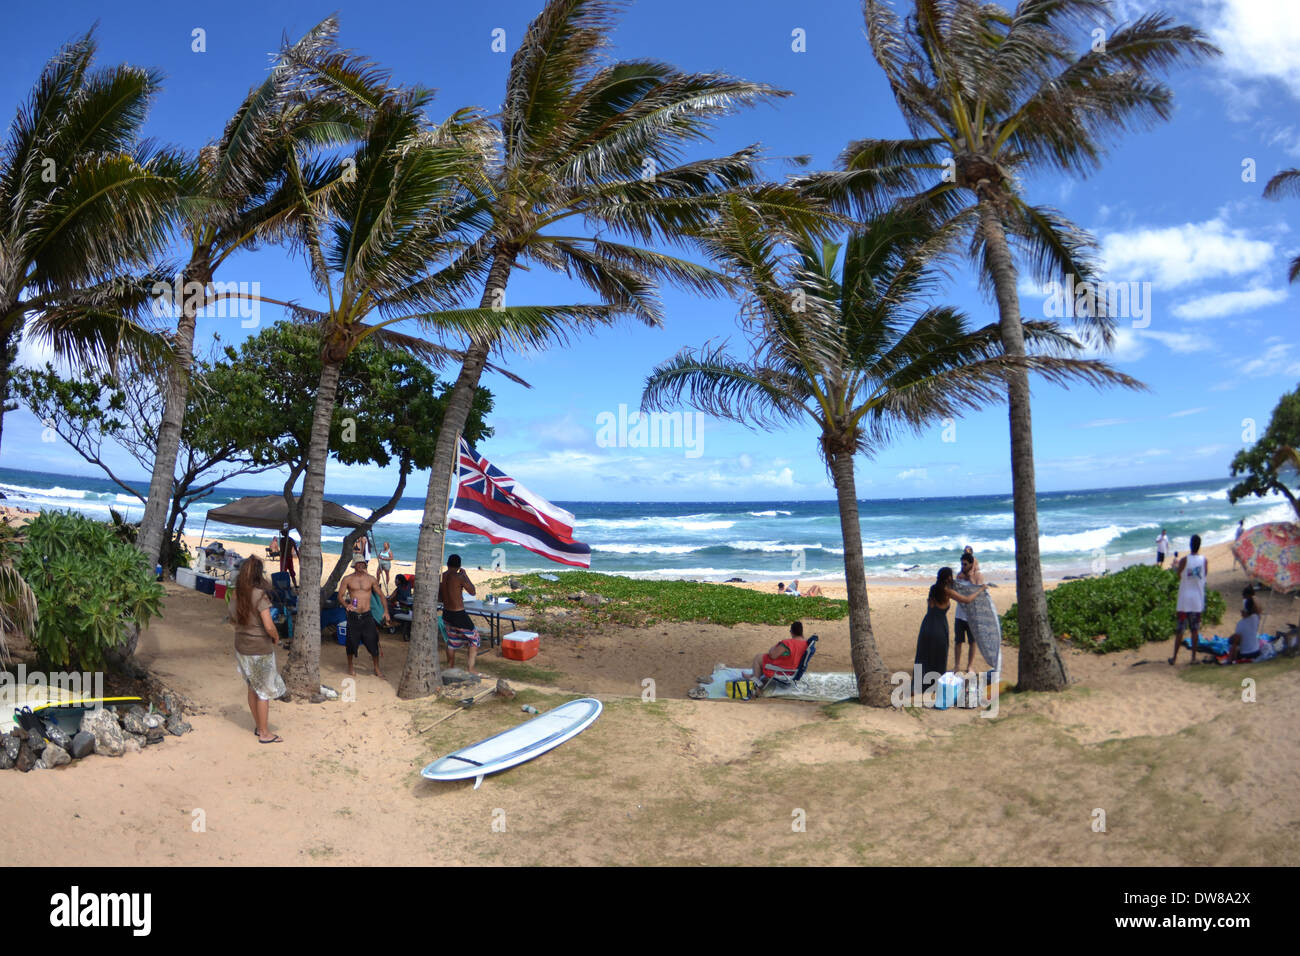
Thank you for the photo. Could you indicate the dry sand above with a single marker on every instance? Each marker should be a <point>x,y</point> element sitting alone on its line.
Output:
<point>1185,771</point>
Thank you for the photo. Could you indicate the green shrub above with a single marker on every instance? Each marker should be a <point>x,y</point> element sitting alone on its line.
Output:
<point>637,603</point>
<point>1128,608</point>
<point>91,588</point>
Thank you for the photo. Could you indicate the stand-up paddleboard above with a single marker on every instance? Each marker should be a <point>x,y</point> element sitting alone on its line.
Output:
<point>982,616</point>
<point>516,745</point>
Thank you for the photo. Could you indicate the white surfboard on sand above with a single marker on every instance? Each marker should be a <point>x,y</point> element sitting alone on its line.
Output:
<point>516,745</point>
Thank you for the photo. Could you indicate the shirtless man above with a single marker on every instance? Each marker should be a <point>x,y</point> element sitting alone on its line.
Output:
<point>461,631</point>
<point>354,594</point>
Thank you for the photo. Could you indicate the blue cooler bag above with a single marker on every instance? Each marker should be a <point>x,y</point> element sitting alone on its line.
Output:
<point>947,690</point>
<point>343,632</point>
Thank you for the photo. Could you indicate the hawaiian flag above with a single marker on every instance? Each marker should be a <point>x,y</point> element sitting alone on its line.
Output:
<point>491,503</point>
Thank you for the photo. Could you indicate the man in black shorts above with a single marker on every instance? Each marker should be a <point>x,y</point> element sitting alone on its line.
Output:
<point>354,594</point>
<point>961,626</point>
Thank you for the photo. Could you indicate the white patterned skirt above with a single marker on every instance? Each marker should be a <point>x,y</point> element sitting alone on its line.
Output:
<point>259,671</point>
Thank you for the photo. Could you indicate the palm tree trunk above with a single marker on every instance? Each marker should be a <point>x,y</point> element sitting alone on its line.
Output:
<point>422,675</point>
<point>1041,665</point>
<point>303,673</point>
<point>868,668</point>
<point>175,397</point>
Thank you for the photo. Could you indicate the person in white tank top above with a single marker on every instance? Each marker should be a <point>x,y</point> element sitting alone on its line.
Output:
<point>1192,571</point>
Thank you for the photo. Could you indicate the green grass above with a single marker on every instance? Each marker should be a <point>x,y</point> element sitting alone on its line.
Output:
<point>516,671</point>
<point>636,603</point>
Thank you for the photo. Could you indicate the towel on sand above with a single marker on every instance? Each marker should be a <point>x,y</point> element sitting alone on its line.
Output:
<point>813,686</point>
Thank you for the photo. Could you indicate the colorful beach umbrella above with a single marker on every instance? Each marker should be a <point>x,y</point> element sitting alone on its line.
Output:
<point>1271,554</point>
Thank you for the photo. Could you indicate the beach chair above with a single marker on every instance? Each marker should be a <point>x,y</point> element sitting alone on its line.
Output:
<point>786,677</point>
<point>283,599</point>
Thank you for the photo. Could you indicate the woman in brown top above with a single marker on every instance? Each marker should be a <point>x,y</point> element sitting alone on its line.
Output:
<point>255,643</point>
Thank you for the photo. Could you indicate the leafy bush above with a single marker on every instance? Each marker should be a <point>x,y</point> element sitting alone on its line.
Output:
<point>1128,609</point>
<point>638,603</point>
<point>91,588</point>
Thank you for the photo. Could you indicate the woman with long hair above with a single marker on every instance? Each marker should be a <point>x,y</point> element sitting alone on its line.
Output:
<point>255,642</point>
<point>932,642</point>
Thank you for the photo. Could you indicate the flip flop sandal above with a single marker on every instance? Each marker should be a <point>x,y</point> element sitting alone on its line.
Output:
<point>277,739</point>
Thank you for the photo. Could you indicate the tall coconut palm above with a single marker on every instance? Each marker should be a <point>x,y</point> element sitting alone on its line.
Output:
<point>241,193</point>
<point>387,244</point>
<point>1286,183</point>
<point>991,96</point>
<point>83,202</point>
<point>589,173</point>
<point>859,350</point>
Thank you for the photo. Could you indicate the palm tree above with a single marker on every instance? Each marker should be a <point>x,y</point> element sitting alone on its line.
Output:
<point>82,203</point>
<point>241,193</point>
<point>596,146</point>
<point>990,96</point>
<point>859,352</point>
<point>1286,183</point>
<point>388,243</point>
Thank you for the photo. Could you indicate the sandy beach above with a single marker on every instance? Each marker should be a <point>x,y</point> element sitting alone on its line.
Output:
<point>1185,770</point>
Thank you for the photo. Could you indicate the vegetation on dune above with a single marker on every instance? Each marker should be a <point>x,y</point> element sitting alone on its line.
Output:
<point>638,603</point>
<point>1270,463</point>
<point>1115,612</point>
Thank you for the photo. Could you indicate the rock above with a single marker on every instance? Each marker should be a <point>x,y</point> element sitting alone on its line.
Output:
<point>133,721</point>
<point>133,746</point>
<point>36,743</point>
<point>577,595</point>
<point>57,736</point>
<point>176,726</point>
<point>140,739</point>
<point>83,745</point>
<point>102,724</point>
<point>10,744</point>
<point>54,756</point>
<point>515,584</point>
<point>171,705</point>
<point>735,581</point>
<point>153,720</point>
<point>556,612</point>
<point>454,675</point>
<point>26,759</point>
<point>594,600</point>
<point>155,735</point>
<point>317,698</point>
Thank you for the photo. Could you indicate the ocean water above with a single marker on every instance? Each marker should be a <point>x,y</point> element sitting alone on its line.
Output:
<point>906,538</point>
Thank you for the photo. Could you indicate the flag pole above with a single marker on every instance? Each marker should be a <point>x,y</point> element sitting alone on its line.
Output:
<point>455,485</point>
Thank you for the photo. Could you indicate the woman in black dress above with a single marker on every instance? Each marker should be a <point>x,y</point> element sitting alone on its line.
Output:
<point>932,642</point>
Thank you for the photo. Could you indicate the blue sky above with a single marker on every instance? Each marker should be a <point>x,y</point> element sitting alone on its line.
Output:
<point>1170,207</point>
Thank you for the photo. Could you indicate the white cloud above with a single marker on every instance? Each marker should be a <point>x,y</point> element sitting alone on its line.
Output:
<point>1275,360</point>
<point>1187,411</point>
<point>1130,344</point>
<point>1259,39</point>
<point>1105,422</point>
<point>913,474</point>
<point>1228,303</point>
<point>1183,255</point>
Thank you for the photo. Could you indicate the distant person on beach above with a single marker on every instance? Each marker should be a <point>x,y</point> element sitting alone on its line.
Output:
<point>273,551</point>
<point>361,548</point>
<point>783,657</point>
<point>961,626</point>
<point>355,592</point>
<point>255,642</point>
<point>385,563</point>
<point>1162,548</point>
<point>1241,529</point>
<point>813,591</point>
<point>288,551</point>
<point>932,641</point>
<point>1193,571</point>
<point>787,591</point>
<point>1244,643</point>
<point>461,631</point>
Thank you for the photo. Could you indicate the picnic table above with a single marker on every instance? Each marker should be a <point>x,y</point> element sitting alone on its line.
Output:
<point>494,612</point>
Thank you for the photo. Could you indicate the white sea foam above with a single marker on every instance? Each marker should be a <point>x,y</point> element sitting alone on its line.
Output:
<point>769,514</point>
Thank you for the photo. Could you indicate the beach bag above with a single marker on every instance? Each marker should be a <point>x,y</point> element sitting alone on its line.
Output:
<point>968,697</point>
<point>740,689</point>
<point>947,691</point>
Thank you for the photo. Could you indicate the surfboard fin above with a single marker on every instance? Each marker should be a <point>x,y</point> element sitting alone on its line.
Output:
<point>477,781</point>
